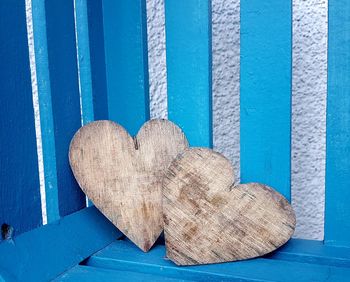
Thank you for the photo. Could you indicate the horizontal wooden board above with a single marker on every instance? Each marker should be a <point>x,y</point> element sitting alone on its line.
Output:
<point>46,252</point>
<point>122,255</point>
<point>92,274</point>
<point>312,251</point>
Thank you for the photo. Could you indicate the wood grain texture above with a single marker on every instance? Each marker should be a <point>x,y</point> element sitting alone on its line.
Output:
<point>123,175</point>
<point>209,219</point>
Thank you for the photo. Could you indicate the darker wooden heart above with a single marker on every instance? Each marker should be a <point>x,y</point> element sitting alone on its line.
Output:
<point>208,219</point>
<point>123,175</point>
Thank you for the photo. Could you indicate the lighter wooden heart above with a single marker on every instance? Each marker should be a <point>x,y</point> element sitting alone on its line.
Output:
<point>208,219</point>
<point>123,175</point>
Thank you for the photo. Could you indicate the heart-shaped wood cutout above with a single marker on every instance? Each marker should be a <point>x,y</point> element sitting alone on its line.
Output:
<point>208,219</point>
<point>123,175</point>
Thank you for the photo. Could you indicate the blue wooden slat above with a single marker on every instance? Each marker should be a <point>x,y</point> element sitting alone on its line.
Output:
<point>45,106</point>
<point>83,51</point>
<point>91,60</point>
<point>97,59</point>
<point>93,274</point>
<point>312,251</point>
<point>265,101</point>
<point>60,70</point>
<point>337,215</point>
<point>123,255</point>
<point>62,56</point>
<point>125,34</point>
<point>20,204</point>
<point>48,251</point>
<point>188,52</point>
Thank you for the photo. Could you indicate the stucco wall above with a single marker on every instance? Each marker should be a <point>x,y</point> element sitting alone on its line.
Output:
<point>309,96</point>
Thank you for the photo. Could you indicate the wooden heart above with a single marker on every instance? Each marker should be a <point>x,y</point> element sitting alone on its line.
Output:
<point>123,175</point>
<point>208,219</point>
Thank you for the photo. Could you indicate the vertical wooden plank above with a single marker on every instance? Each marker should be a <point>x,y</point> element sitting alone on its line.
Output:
<point>337,223</point>
<point>91,60</point>
<point>125,33</point>
<point>97,59</point>
<point>265,109</point>
<point>62,56</point>
<point>20,205</point>
<point>188,52</point>
<point>45,106</point>
<point>57,74</point>
<point>84,65</point>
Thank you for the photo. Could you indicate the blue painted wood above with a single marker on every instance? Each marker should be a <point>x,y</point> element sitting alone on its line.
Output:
<point>312,251</point>
<point>44,253</point>
<point>337,214</point>
<point>97,59</point>
<point>20,204</point>
<point>265,107</point>
<point>84,65</point>
<point>123,255</point>
<point>93,274</point>
<point>125,34</point>
<point>91,60</point>
<point>188,55</point>
<point>45,106</point>
<point>65,100</point>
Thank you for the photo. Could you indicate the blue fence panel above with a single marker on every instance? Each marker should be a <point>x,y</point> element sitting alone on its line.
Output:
<point>337,215</point>
<point>188,52</point>
<point>266,63</point>
<point>20,205</point>
<point>125,34</point>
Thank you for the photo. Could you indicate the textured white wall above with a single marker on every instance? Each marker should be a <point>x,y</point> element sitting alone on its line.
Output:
<point>309,115</point>
<point>156,58</point>
<point>308,98</point>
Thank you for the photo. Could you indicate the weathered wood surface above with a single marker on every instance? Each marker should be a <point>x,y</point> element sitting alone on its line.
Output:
<point>123,175</point>
<point>208,219</point>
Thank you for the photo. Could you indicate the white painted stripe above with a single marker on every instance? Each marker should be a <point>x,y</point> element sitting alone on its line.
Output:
<point>35,96</point>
